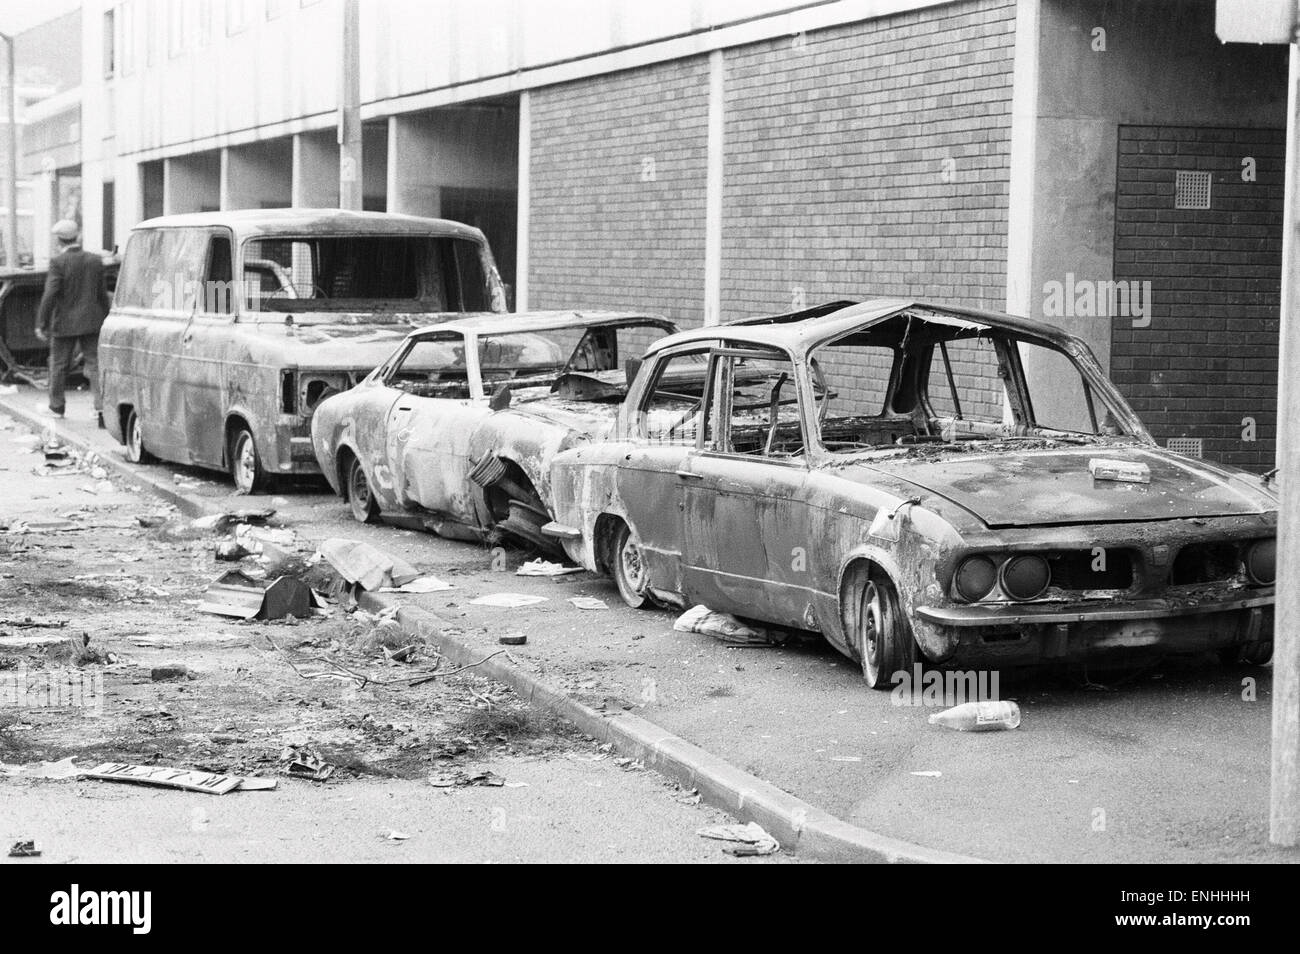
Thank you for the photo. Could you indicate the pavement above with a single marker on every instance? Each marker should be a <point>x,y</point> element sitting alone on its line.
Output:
<point>1165,764</point>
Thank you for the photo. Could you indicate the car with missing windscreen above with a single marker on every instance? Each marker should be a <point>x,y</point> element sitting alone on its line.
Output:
<point>228,329</point>
<point>918,482</point>
<point>456,431</point>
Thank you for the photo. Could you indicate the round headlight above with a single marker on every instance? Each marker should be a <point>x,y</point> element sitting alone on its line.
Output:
<point>1025,576</point>
<point>975,577</point>
<point>1261,561</point>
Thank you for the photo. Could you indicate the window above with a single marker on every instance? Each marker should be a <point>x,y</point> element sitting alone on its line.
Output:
<point>218,286</point>
<point>671,409</point>
<point>965,382</point>
<point>162,268</point>
<point>236,16</point>
<point>178,26</point>
<point>1060,396</point>
<point>432,366</point>
<point>761,407</point>
<point>377,273</point>
<point>110,44</point>
<point>850,380</point>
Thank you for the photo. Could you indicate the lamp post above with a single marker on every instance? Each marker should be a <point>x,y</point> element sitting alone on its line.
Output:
<point>11,132</point>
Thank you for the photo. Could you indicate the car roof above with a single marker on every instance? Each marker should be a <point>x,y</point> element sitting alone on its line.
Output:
<point>481,323</point>
<point>247,223</point>
<point>802,330</point>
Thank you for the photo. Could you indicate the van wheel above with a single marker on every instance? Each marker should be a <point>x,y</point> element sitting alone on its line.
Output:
<point>134,440</point>
<point>628,565</point>
<point>246,464</point>
<point>881,637</point>
<point>365,508</point>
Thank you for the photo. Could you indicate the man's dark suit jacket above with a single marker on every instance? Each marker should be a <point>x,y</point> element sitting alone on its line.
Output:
<point>76,299</point>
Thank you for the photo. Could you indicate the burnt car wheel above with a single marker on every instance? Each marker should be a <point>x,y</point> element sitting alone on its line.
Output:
<point>134,440</point>
<point>883,640</point>
<point>365,508</point>
<point>1247,654</point>
<point>628,567</point>
<point>246,464</point>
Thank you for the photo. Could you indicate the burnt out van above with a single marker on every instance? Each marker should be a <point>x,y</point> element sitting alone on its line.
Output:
<point>229,328</point>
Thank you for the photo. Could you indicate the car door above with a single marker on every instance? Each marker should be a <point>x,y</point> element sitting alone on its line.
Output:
<point>438,403</point>
<point>206,345</point>
<point>746,524</point>
<point>666,429</point>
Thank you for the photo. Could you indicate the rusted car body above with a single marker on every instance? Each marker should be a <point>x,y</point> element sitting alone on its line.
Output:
<point>23,356</point>
<point>456,431</point>
<point>228,329</point>
<point>884,474</point>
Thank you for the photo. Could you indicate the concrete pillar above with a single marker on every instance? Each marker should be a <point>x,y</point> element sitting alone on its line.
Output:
<point>315,171</point>
<point>45,212</point>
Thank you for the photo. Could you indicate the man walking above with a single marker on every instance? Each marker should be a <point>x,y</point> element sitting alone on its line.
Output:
<point>73,307</point>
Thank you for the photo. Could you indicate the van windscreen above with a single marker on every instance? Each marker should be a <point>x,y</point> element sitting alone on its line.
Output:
<point>377,274</point>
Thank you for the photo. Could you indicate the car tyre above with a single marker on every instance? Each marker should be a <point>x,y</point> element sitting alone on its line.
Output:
<point>883,640</point>
<point>133,438</point>
<point>364,506</point>
<point>246,464</point>
<point>627,565</point>
<point>1247,654</point>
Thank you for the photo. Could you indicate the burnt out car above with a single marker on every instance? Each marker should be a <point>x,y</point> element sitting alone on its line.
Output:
<point>918,483</point>
<point>23,356</point>
<point>229,328</point>
<point>456,431</point>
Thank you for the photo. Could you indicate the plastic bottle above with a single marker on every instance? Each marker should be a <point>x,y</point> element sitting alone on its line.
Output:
<point>979,717</point>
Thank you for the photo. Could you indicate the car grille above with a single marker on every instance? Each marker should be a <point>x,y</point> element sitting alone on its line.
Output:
<point>1205,563</point>
<point>1074,570</point>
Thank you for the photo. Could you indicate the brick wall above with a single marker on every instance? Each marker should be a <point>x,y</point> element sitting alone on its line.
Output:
<point>607,231</point>
<point>870,159</point>
<point>1209,357</point>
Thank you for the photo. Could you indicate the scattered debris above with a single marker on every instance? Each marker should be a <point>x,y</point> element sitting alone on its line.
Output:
<point>24,849</point>
<point>302,762</point>
<point>463,779</point>
<point>423,584</point>
<point>397,836</point>
<point>546,568</point>
<point>723,626</point>
<point>512,639</point>
<point>362,564</point>
<point>508,600</point>
<point>150,520</point>
<point>742,840</point>
<point>29,622</point>
<point>165,777</point>
<point>985,716</point>
<point>224,521</point>
<point>239,595</point>
<point>588,603</point>
<point>173,673</point>
<point>232,551</point>
<point>257,784</point>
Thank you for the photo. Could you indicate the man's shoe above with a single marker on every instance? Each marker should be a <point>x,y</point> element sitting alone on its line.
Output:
<point>99,420</point>
<point>57,415</point>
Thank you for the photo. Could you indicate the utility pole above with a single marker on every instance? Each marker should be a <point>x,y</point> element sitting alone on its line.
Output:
<point>11,148</point>
<point>1284,810</point>
<point>350,109</point>
<point>1278,21</point>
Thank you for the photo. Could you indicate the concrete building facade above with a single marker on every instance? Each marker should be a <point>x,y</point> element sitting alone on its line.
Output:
<point>1110,168</point>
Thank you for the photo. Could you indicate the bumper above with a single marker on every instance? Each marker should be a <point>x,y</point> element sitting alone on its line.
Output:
<point>1047,633</point>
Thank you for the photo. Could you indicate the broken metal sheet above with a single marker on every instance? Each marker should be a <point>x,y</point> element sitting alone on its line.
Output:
<point>365,565</point>
<point>187,779</point>
<point>239,595</point>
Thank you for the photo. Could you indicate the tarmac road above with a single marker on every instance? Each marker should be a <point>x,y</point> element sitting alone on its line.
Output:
<point>1169,764</point>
